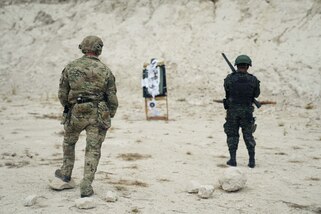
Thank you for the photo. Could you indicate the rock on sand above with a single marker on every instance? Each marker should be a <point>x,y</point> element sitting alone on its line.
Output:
<point>85,203</point>
<point>206,191</point>
<point>58,184</point>
<point>193,187</point>
<point>111,197</point>
<point>233,179</point>
<point>30,200</point>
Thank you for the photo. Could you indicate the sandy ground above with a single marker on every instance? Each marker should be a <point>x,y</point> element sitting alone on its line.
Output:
<point>190,146</point>
<point>282,38</point>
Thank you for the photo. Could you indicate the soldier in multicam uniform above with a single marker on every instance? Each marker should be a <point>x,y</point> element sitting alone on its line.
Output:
<point>87,90</point>
<point>241,88</point>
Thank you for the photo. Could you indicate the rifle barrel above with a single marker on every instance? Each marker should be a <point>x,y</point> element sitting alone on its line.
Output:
<point>264,102</point>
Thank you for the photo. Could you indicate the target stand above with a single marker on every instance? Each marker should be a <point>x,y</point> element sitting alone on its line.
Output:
<point>161,105</point>
<point>155,90</point>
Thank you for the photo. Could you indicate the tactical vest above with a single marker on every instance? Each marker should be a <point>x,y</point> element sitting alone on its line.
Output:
<point>87,80</point>
<point>241,89</point>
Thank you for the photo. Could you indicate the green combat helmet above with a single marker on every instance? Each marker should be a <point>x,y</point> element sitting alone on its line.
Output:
<point>91,44</point>
<point>243,59</point>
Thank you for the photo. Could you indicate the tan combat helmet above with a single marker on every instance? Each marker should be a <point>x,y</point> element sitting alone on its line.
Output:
<point>91,44</point>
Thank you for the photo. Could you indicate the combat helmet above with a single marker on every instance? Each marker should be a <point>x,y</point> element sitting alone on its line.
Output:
<point>91,44</point>
<point>243,59</point>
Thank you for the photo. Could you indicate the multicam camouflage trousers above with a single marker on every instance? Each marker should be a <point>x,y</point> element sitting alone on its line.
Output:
<point>240,117</point>
<point>96,121</point>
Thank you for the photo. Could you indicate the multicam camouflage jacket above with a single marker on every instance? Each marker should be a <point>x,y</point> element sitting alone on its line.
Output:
<point>88,78</point>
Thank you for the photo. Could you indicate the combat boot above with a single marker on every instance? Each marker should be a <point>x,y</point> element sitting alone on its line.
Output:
<point>86,189</point>
<point>59,175</point>
<point>232,161</point>
<point>251,159</point>
<point>83,195</point>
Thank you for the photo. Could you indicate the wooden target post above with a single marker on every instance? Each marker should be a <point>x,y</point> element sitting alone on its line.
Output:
<point>154,79</point>
<point>164,106</point>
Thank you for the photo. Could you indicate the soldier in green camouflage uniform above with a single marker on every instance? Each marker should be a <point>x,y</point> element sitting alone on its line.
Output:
<point>87,90</point>
<point>240,88</point>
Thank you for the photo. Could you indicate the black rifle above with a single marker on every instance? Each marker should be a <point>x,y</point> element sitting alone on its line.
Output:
<point>256,103</point>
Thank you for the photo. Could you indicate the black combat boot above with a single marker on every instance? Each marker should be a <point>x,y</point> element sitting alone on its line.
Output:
<point>232,161</point>
<point>251,159</point>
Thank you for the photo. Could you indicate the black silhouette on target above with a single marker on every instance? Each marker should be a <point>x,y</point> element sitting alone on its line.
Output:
<point>152,104</point>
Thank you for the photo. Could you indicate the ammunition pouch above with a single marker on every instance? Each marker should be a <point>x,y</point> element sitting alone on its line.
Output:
<point>104,120</point>
<point>66,109</point>
<point>65,115</point>
<point>254,126</point>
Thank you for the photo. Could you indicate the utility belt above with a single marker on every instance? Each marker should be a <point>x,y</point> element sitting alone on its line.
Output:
<point>87,100</point>
<point>79,100</point>
<point>230,102</point>
<point>83,100</point>
<point>240,101</point>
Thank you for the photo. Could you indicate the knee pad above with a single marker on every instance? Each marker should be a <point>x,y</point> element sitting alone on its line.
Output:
<point>232,143</point>
<point>250,142</point>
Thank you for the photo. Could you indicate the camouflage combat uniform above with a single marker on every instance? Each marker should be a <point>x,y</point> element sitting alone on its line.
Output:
<point>240,88</point>
<point>87,87</point>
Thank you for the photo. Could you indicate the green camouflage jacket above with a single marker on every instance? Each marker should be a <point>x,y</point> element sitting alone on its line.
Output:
<point>88,77</point>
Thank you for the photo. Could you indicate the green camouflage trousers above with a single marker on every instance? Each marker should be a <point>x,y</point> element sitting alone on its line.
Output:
<point>94,118</point>
<point>237,117</point>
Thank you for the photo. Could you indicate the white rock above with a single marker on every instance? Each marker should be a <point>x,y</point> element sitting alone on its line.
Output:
<point>111,196</point>
<point>30,200</point>
<point>206,191</point>
<point>85,203</point>
<point>233,179</point>
<point>193,187</point>
<point>58,184</point>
